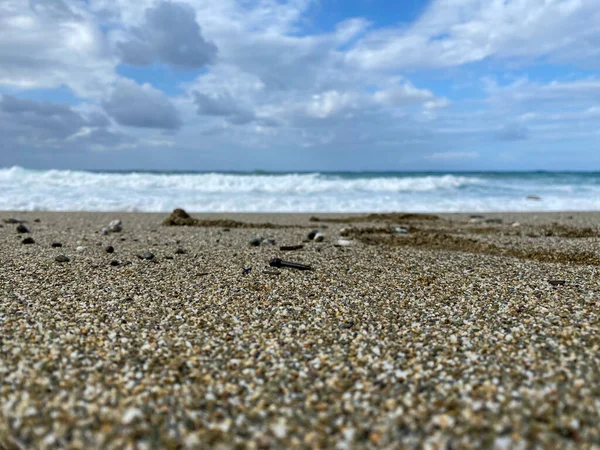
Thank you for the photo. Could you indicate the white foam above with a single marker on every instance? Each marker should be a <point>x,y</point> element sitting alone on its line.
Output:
<point>66,190</point>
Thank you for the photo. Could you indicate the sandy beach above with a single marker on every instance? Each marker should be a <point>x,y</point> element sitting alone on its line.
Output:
<point>413,331</point>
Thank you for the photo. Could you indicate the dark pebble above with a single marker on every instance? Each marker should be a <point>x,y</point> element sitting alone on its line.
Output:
<point>114,263</point>
<point>348,325</point>
<point>146,255</point>
<point>246,270</point>
<point>109,249</point>
<point>56,244</point>
<point>37,220</point>
<point>168,257</point>
<point>28,240</point>
<point>255,242</point>
<point>22,228</point>
<point>287,248</point>
<point>180,251</point>
<point>312,234</point>
<point>557,282</point>
<point>61,259</point>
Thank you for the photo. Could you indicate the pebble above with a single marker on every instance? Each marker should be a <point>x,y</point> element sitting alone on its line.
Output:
<point>180,251</point>
<point>104,231</point>
<point>256,241</point>
<point>114,263</point>
<point>399,230</point>
<point>115,226</point>
<point>343,243</point>
<point>109,249</point>
<point>56,245</point>
<point>319,237</point>
<point>22,228</point>
<point>28,240</point>
<point>312,234</point>
<point>62,259</point>
<point>146,255</point>
<point>80,249</point>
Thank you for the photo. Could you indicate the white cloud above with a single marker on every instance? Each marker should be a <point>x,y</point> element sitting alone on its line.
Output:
<point>52,43</point>
<point>456,32</point>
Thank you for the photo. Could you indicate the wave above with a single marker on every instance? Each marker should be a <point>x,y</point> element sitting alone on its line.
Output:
<point>72,190</point>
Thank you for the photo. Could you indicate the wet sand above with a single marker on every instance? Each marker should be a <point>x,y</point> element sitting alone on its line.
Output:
<point>440,332</point>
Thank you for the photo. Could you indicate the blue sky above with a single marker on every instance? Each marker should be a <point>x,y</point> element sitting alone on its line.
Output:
<point>300,84</point>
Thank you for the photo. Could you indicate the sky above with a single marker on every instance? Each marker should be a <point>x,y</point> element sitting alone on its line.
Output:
<point>300,84</point>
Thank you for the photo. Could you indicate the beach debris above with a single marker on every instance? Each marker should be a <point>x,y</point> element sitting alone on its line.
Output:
<point>62,259</point>
<point>148,256</point>
<point>180,251</point>
<point>277,262</point>
<point>343,243</point>
<point>14,220</point>
<point>179,217</point>
<point>22,229</point>
<point>80,249</point>
<point>246,270</point>
<point>115,226</point>
<point>319,237</point>
<point>312,234</point>
<point>28,240</point>
<point>271,272</point>
<point>288,248</point>
<point>109,249</point>
<point>115,263</point>
<point>56,245</point>
<point>534,197</point>
<point>554,282</point>
<point>399,230</point>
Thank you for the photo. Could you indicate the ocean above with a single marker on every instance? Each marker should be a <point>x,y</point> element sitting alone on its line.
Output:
<point>71,190</point>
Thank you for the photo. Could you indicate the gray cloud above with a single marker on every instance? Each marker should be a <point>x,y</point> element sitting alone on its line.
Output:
<point>223,105</point>
<point>141,106</point>
<point>27,124</point>
<point>170,34</point>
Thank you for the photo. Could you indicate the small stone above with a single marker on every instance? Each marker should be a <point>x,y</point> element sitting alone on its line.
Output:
<point>148,256</point>
<point>180,251</point>
<point>104,231</point>
<point>399,230</point>
<point>115,263</point>
<point>22,229</point>
<point>80,249</point>
<point>268,241</point>
<point>557,282</point>
<point>37,220</point>
<point>348,325</point>
<point>516,224</point>
<point>61,259</point>
<point>343,243</point>
<point>28,240</point>
<point>255,242</point>
<point>109,249</point>
<point>287,248</point>
<point>246,270</point>
<point>319,237</point>
<point>312,234</point>
<point>56,245</point>
<point>115,226</point>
